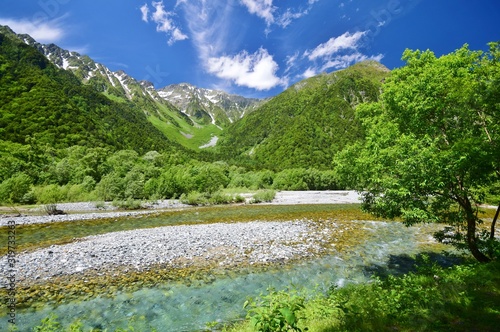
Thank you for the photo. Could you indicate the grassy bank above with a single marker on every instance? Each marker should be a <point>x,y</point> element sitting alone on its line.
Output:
<point>461,298</point>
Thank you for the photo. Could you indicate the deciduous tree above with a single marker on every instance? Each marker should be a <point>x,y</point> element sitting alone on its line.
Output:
<point>433,143</point>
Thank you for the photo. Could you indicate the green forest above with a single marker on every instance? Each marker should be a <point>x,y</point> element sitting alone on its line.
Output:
<point>421,142</point>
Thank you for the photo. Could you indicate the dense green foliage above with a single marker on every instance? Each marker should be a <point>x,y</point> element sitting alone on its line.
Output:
<point>276,311</point>
<point>460,298</point>
<point>50,105</point>
<point>432,144</point>
<point>307,124</point>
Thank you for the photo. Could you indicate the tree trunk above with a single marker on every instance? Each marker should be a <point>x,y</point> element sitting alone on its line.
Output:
<point>492,232</point>
<point>471,231</point>
<point>471,239</point>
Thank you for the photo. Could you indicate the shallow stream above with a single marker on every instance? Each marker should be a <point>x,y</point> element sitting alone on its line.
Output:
<point>189,306</point>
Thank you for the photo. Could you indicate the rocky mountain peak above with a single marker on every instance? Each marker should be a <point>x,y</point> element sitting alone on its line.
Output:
<point>207,103</point>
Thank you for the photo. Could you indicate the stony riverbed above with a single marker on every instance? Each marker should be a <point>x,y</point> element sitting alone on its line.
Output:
<point>225,244</point>
<point>175,246</point>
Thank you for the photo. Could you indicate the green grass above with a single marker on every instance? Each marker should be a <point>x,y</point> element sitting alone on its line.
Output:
<point>200,134</point>
<point>461,298</point>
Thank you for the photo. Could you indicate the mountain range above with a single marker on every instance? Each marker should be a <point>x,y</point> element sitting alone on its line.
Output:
<point>304,125</point>
<point>184,113</point>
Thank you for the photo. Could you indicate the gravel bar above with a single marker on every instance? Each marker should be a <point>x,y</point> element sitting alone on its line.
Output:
<point>88,210</point>
<point>226,244</point>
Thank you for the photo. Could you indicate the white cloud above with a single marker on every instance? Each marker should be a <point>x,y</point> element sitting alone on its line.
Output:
<point>211,28</point>
<point>257,70</point>
<point>262,8</point>
<point>334,45</point>
<point>337,53</point>
<point>343,61</point>
<point>286,19</point>
<point>272,14</point>
<point>208,25</point>
<point>42,31</point>
<point>291,60</point>
<point>163,20</point>
<point>145,12</point>
<point>310,72</point>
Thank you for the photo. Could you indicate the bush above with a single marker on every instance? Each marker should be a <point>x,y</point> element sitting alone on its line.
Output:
<point>220,198</point>
<point>217,198</point>
<point>276,311</point>
<point>128,204</point>
<point>239,199</point>
<point>291,179</point>
<point>263,196</point>
<point>110,187</point>
<point>51,194</point>
<point>14,189</point>
<point>194,198</point>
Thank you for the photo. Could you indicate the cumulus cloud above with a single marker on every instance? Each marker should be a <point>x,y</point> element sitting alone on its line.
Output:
<point>336,44</point>
<point>257,70</point>
<point>164,21</point>
<point>42,31</point>
<point>262,8</point>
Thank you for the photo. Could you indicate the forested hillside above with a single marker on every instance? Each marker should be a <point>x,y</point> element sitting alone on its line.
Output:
<point>307,124</point>
<point>50,105</point>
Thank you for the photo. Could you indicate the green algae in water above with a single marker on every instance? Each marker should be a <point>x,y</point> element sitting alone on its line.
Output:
<point>175,306</point>
<point>43,235</point>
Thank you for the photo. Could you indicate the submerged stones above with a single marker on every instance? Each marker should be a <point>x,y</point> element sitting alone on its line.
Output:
<point>227,244</point>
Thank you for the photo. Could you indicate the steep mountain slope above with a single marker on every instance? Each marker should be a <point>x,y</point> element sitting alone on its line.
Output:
<point>51,105</point>
<point>120,87</point>
<point>208,106</point>
<point>307,124</point>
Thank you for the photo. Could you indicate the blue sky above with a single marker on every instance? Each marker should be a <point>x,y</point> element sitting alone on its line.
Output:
<point>255,48</point>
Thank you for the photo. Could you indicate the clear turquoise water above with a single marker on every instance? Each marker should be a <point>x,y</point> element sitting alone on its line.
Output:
<point>179,307</point>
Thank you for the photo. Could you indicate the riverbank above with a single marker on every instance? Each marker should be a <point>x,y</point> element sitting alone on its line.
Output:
<point>225,244</point>
<point>92,210</point>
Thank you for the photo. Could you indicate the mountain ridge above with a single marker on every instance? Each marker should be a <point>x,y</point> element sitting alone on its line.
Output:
<point>199,106</point>
<point>42,103</point>
<point>307,124</point>
<point>208,103</point>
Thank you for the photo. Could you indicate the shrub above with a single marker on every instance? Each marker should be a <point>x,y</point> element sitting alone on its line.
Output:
<point>263,196</point>
<point>50,194</point>
<point>220,198</point>
<point>276,311</point>
<point>239,199</point>
<point>291,179</point>
<point>194,198</point>
<point>128,204</point>
<point>14,189</point>
<point>110,187</point>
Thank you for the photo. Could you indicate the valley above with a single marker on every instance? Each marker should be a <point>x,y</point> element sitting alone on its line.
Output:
<point>130,207</point>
